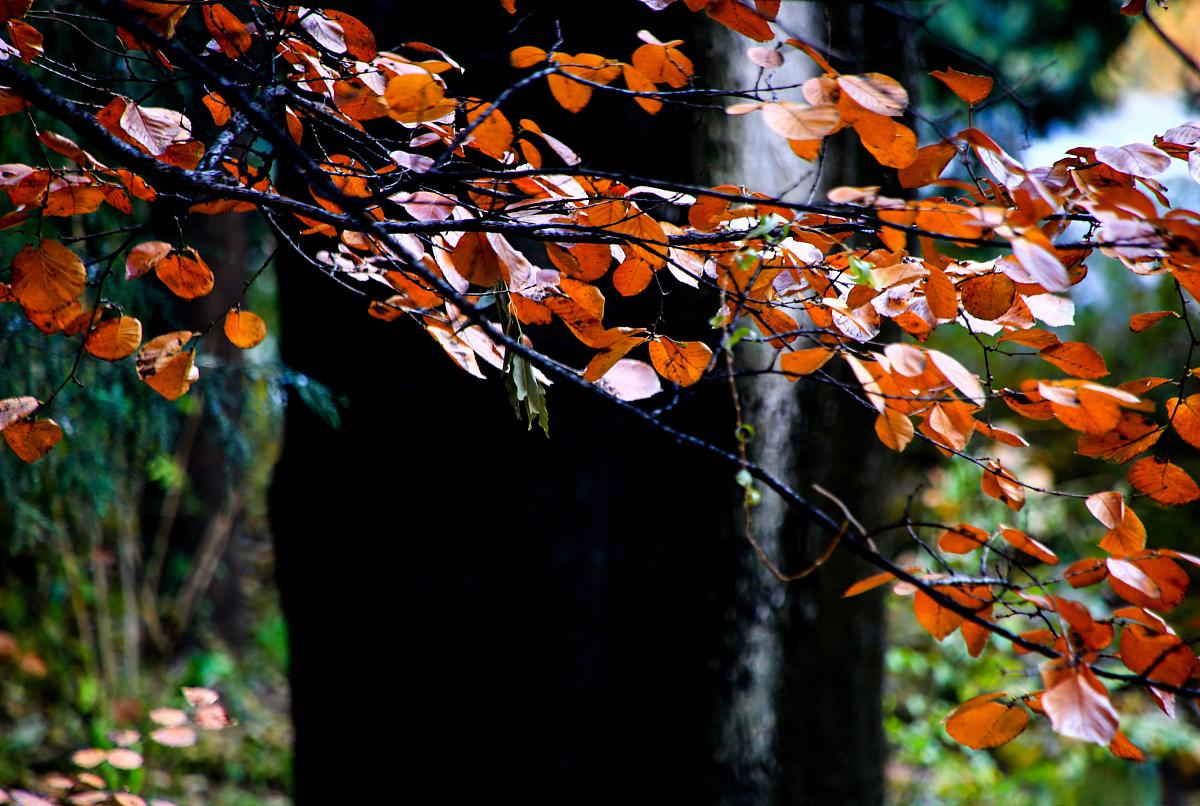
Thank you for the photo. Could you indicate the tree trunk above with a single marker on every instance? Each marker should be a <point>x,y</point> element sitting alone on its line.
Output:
<point>803,722</point>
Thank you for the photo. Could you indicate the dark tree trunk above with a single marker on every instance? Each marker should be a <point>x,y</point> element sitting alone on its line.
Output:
<point>475,610</point>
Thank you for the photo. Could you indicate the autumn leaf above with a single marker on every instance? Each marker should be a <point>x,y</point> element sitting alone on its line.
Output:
<point>166,366</point>
<point>185,273</point>
<point>797,121</point>
<point>927,167</point>
<point>1023,542</point>
<point>797,363</point>
<point>114,339</point>
<point>13,409</point>
<point>894,429</point>
<point>970,88</point>
<point>1184,416</point>
<point>982,723</point>
<point>1076,358</point>
<point>1128,536</point>
<point>1079,707</point>
<point>682,362</point>
<point>244,329</point>
<point>417,97</point>
<point>30,440</point>
<point>1165,482</point>
<point>962,539</point>
<point>876,92</point>
<point>1141,322</point>
<point>47,276</point>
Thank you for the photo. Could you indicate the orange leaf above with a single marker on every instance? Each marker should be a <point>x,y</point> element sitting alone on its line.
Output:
<point>988,296</point>
<point>416,97</point>
<point>982,725</point>
<point>245,329</point>
<point>680,361</point>
<point>1141,322</point>
<point>868,584</point>
<point>940,294</point>
<point>1172,582</point>
<point>1127,537</point>
<point>894,429</point>
<point>928,166</point>
<point>796,363</point>
<point>968,87</point>
<point>1023,542</point>
<point>527,56</point>
<point>1163,481</point>
<point>185,273</point>
<point>114,339</point>
<point>636,81</point>
<point>1121,747</point>
<point>493,135</point>
<point>166,366</point>
<point>230,33</point>
<point>663,64</point>
<point>31,440</point>
<point>47,277</point>
<point>1085,572</point>
<point>962,539</point>
<point>892,144</point>
<point>1076,358</point>
<point>743,19</point>
<point>938,620</point>
<point>1184,414</point>
<point>1164,658</point>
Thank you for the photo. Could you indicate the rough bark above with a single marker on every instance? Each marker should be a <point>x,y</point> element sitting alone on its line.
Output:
<point>802,723</point>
